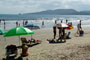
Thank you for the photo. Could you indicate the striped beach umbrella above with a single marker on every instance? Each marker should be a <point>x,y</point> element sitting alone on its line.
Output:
<point>2,31</point>
<point>18,31</point>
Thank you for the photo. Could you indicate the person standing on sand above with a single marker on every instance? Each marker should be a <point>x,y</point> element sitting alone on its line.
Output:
<point>54,31</point>
<point>19,24</point>
<point>23,22</point>
<point>66,21</point>
<point>26,22</point>
<point>55,21</point>
<point>61,21</point>
<point>0,21</point>
<point>4,24</point>
<point>64,37</point>
<point>80,21</point>
<point>16,23</point>
<point>42,23</point>
<point>79,27</point>
<point>60,31</point>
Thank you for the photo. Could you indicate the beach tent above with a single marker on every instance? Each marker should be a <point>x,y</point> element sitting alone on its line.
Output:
<point>66,26</point>
<point>18,31</point>
<point>32,26</point>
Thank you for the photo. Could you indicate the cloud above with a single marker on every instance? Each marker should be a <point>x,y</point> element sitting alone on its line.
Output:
<point>25,6</point>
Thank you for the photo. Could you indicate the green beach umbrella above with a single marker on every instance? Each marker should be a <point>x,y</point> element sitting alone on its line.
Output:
<point>18,31</point>
<point>2,31</point>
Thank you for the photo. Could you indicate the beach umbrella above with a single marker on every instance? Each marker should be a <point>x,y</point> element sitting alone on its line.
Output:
<point>70,27</point>
<point>2,31</point>
<point>18,31</point>
<point>62,25</point>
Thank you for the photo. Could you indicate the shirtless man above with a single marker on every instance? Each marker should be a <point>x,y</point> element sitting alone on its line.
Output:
<point>54,31</point>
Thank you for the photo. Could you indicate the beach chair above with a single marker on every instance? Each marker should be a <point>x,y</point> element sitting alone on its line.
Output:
<point>81,32</point>
<point>11,51</point>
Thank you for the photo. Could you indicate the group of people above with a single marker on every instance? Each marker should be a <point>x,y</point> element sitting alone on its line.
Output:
<point>24,23</point>
<point>62,34</point>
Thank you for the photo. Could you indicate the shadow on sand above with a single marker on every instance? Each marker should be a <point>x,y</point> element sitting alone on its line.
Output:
<point>13,58</point>
<point>56,42</point>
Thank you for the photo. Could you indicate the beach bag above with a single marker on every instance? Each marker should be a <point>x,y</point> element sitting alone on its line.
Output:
<point>81,33</point>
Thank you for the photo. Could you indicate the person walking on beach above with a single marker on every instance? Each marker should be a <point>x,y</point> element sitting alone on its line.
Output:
<point>80,22</point>
<point>79,27</point>
<point>55,21</point>
<point>66,21</point>
<point>23,22</point>
<point>26,22</point>
<point>0,21</point>
<point>42,23</point>
<point>54,31</point>
<point>16,23</point>
<point>61,21</point>
<point>80,31</point>
<point>4,24</point>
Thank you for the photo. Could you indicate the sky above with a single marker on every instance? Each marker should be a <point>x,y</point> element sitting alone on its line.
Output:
<point>29,6</point>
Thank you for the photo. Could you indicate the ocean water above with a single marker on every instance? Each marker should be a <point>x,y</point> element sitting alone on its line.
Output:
<point>49,20</point>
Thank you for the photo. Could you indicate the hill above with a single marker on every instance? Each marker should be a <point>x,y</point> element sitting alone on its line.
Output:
<point>61,12</point>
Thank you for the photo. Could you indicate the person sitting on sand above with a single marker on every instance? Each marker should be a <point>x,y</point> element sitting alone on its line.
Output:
<point>68,35</point>
<point>54,31</point>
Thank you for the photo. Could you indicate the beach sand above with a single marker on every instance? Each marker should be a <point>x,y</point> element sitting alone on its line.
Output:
<point>76,48</point>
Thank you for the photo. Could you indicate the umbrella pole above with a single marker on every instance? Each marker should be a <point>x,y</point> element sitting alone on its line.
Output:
<point>31,37</point>
<point>19,39</point>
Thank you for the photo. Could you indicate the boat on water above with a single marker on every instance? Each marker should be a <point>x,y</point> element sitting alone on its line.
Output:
<point>32,26</point>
